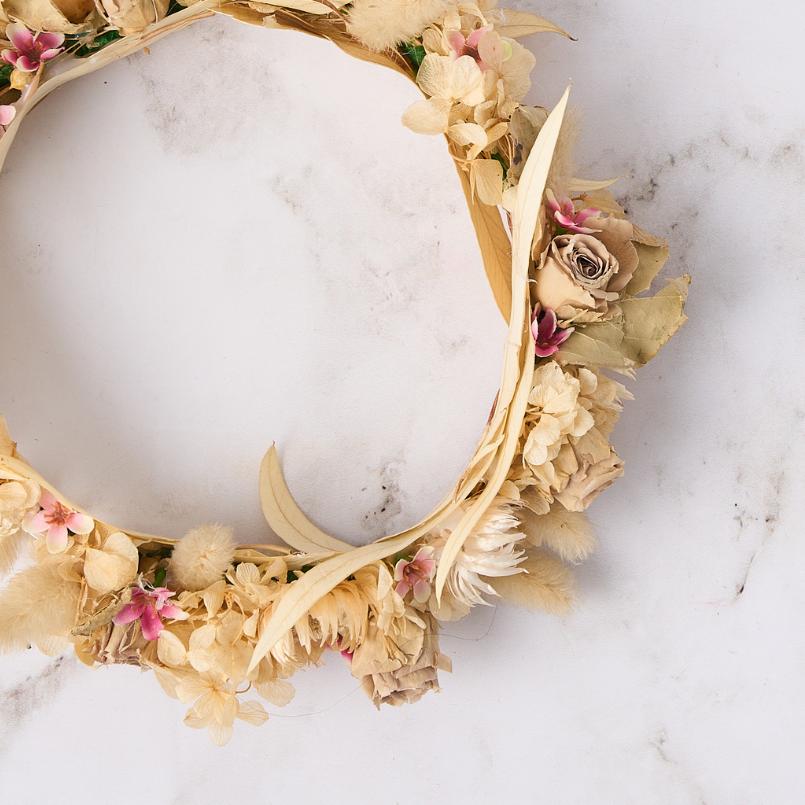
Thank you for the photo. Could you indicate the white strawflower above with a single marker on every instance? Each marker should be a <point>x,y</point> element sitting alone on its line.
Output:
<point>202,557</point>
<point>492,550</point>
<point>381,24</point>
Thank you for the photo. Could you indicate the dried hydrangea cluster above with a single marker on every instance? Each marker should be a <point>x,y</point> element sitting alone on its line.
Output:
<point>221,624</point>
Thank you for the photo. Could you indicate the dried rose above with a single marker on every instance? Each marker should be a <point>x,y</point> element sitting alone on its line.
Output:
<point>589,481</point>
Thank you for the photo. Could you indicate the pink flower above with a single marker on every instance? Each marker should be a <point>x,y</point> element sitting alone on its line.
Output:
<point>7,114</point>
<point>548,336</point>
<point>564,213</point>
<point>415,575</point>
<point>29,51</point>
<point>467,46</point>
<point>150,607</point>
<point>56,521</point>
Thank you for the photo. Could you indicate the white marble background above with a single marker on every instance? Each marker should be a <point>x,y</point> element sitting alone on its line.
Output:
<point>231,240</point>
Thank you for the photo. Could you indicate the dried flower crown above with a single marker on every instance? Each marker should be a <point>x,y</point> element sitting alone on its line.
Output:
<point>570,274</point>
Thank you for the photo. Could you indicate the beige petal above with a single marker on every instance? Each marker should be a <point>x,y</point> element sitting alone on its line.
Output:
<point>170,649</point>
<point>252,713</point>
<point>114,566</point>
<point>430,116</point>
<point>486,176</point>
<point>556,290</point>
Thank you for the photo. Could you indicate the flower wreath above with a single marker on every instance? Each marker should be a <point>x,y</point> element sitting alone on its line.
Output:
<point>214,619</point>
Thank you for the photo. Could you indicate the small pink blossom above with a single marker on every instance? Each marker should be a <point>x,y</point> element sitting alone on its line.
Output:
<point>7,114</point>
<point>548,336</point>
<point>28,51</point>
<point>56,521</point>
<point>150,606</point>
<point>565,214</point>
<point>467,45</point>
<point>415,575</point>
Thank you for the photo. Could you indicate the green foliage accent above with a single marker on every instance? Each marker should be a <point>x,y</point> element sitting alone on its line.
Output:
<point>98,43</point>
<point>498,157</point>
<point>159,576</point>
<point>5,73</point>
<point>414,53</point>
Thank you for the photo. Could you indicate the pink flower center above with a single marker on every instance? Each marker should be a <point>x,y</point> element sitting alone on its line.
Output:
<point>58,514</point>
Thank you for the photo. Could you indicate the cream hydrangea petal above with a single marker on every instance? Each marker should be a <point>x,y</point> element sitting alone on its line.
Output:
<point>170,649</point>
<point>278,691</point>
<point>114,566</point>
<point>435,76</point>
<point>467,81</point>
<point>430,116</point>
<point>252,712</point>
<point>469,134</point>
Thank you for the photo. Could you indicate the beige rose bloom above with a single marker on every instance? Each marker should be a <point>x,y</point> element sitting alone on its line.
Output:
<point>404,680</point>
<point>587,272</point>
<point>587,483</point>
<point>17,498</point>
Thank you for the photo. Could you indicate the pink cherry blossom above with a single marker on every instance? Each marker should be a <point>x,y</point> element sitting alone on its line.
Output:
<point>548,336</point>
<point>150,606</point>
<point>56,521</point>
<point>467,45</point>
<point>565,214</point>
<point>415,575</point>
<point>28,51</point>
<point>7,114</point>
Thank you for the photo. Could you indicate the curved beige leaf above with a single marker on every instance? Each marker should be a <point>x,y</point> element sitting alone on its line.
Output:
<point>516,24</point>
<point>518,367</point>
<point>284,515</point>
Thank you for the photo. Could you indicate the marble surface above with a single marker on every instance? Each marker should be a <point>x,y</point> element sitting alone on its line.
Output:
<point>280,260</point>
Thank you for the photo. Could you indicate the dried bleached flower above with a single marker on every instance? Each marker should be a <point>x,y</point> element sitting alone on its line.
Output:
<point>202,557</point>
<point>17,499</point>
<point>492,550</point>
<point>567,425</point>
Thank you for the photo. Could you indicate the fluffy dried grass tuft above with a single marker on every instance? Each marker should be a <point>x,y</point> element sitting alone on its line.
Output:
<point>381,24</point>
<point>202,557</point>
<point>547,584</point>
<point>37,606</point>
<point>11,549</point>
<point>568,534</point>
